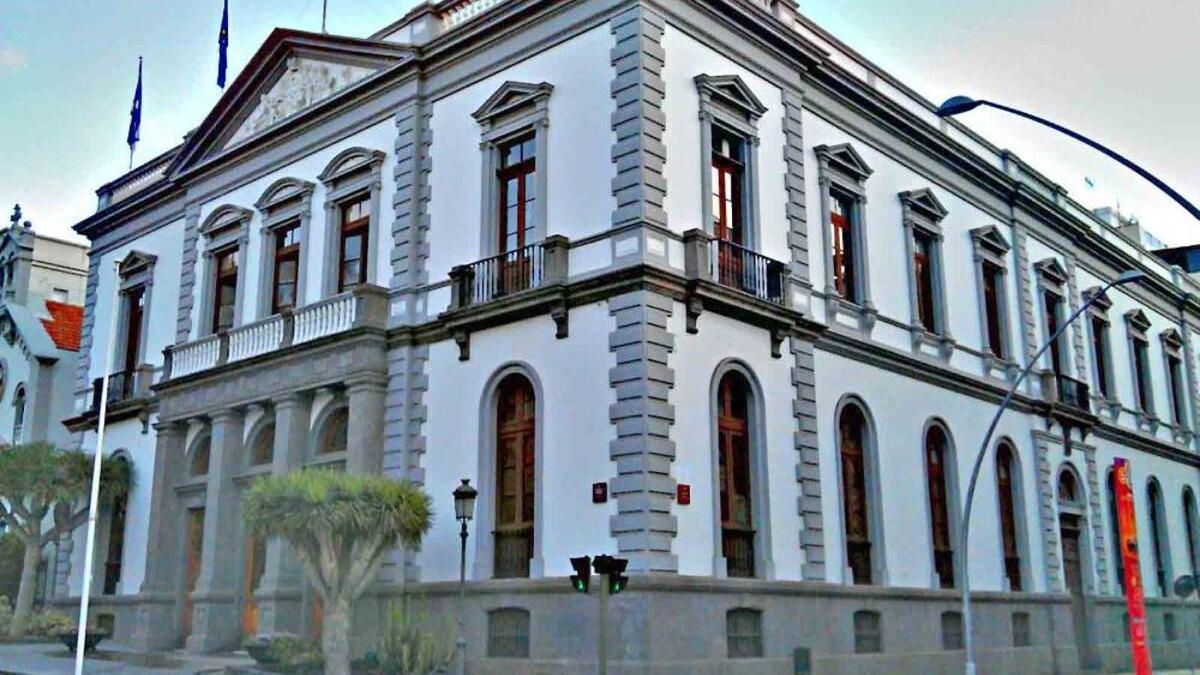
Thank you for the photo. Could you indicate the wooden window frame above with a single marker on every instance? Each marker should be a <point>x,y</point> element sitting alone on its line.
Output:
<point>225,230</point>
<point>286,205</point>
<point>929,321</point>
<point>1008,497</point>
<point>859,544</point>
<point>991,250</point>
<point>219,279</point>
<point>728,107</point>
<point>841,171</point>
<point>523,429</point>
<point>359,227</point>
<point>733,455</point>
<point>1137,328</point>
<point>939,501</point>
<point>351,174</point>
<point>285,253</point>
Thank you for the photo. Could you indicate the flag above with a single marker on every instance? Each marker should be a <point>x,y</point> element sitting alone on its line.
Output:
<point>223,42</point>
<point>135,113</point>
<point>1090,183</point>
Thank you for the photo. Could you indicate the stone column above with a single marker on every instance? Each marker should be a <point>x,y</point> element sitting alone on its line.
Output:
<point>156,627</point>
<point>364,434</point>
<point>280,594</point>
<point>216,623</point>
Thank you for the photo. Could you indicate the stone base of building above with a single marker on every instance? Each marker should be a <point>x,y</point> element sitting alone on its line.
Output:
<point>671,625</point>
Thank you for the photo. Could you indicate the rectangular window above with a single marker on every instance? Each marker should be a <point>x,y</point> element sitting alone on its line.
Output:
<point>135,309</point>
<point>1100,355</point>
<point>1141,368</point>
<point>844,217</point>
<point>287,268</point>
<point>1020,629</point>
<point>225,278</point>
<point>353,242</point>
<point>1175,383</point>
<point>868,632</point>
<point>993,286</point>
<point>923,261</point>
<point>743,633</point>
<point>508,633</point>
<point>728,182</point>
<point>518,193</point>
<point>952,631</point>
<point>1053,306</point>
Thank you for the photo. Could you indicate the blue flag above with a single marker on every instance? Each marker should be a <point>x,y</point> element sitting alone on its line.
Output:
<point>223,42</point>
<point>135,113</point>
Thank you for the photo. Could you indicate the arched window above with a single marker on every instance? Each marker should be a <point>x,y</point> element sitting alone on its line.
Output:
<point>116,538</point>
<point>734,474</point>
<point>1191,521</point>
<point>936,455</point>
<point>1006,489</point>
<point>1160,549</point>
<point>1114,526</point>
<point>515,423</point>
<point>333,431</point>
<point>18,413</point>
<point>200,454</point>
<point>852,431</point>
<point>262,449</point>
<point>1068,489</point>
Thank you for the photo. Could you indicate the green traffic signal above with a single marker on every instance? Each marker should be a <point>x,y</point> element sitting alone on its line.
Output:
<point>583,573</point>
<point>617,583</point>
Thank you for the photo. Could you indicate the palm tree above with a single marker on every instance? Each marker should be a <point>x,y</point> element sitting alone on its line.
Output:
<point>43,495</point>
<point>341,527</point>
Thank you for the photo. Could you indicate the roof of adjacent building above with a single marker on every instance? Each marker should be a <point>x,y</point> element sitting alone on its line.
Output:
<point>65,324</point>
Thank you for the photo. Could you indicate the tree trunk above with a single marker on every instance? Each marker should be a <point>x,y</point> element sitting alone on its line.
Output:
<point>335,636</point>
<point>24,607</point>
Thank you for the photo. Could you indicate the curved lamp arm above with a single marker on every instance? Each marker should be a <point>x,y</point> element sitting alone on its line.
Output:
<point>962,104</point>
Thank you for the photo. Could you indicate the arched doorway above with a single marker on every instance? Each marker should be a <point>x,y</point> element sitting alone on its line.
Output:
<point>1072,526</point>
<point>735,475</point>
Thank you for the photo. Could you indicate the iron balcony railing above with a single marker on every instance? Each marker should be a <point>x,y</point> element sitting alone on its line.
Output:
<point>1066,391</point>
<point>509,273</point>
<point>748,271</point>
<point>122,386</point>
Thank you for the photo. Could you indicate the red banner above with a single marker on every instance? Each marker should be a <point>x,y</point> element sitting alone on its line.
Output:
<point>1134,593</point>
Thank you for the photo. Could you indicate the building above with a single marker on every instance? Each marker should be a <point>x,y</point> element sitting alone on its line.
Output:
<point>688,282</point>
<point>42,282</point>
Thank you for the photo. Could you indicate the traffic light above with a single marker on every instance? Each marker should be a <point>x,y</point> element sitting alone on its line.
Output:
<point>583,573</point>
<point>616,576</point>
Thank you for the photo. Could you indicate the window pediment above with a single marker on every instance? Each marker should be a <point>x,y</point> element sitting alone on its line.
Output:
<point>990,238</point>
<point>224,217</point>
<point>1052,270</point>
<point>732,92</point>
<point>1102,303</point>
<point>1171,338</point>
<point>351,161</point>
<point>923,203</point>
<point>283,191</point>
<point>845,159</point>
<point>1137,319</point>
<point>512,97</point>
<point>136,262</point>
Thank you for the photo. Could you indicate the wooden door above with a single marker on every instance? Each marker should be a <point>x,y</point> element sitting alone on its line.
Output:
<point>195,548</point>
<point>256,555</point>
<point>515,413</point>
<point>733,464</point>
<point>1073,577</point>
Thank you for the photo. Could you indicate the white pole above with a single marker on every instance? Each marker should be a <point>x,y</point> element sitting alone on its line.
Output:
<point>93,505</point>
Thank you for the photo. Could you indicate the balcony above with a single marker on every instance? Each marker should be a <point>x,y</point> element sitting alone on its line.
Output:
<point>509,274</point>
<point>366,306</point>
<point>1069,401</point>
<point>735,267</point>
<point>123,387</point>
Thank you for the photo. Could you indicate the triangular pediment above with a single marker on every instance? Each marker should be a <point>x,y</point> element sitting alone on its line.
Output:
<point>1171,338</point>
<point>510,97</point>
<point>1052,269</point>
<point>293,75</point>
<point>924,202</point>
<point>844,158</point>
<point>732,91</point>
<point>989,237</point>
<point>1103,302</point>
<point>1137,319</point>
<point>135,262</point>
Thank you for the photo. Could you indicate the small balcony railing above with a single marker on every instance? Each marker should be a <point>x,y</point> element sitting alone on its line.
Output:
<point>734,266</point>
<point>364,306</point>
<point>1066,391</point>
<point>748,271</point>
<point>509,273</point>
<point>123,385</point>
<point>514,549</point>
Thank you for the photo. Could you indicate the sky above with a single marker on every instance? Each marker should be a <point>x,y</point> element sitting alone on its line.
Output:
<point>1120,71</point>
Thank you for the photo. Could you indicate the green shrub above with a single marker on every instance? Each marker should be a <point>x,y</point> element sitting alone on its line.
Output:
<point>6,613</point>
<point>414,645</point>
<point>286,653</point>
<point>48,623</point>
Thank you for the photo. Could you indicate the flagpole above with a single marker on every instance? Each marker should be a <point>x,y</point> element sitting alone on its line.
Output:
<point>324,12</point>
<point>94,504</point>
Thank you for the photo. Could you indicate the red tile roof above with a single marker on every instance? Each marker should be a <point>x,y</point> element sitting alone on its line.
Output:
<point>64,325</point>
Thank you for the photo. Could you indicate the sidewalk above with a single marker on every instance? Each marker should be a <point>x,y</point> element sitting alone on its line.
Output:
<point>51,658</point>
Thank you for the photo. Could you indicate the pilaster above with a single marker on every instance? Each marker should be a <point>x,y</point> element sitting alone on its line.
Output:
<point>364,435</point>
<point>639,153</point>
<point>156,626</point>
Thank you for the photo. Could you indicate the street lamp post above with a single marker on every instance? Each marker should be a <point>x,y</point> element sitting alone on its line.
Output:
<point>464,510</point>
<point>965,525</point>
<point>957,105</point>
